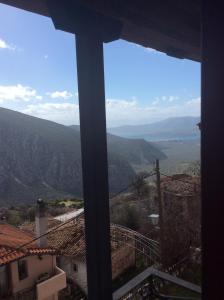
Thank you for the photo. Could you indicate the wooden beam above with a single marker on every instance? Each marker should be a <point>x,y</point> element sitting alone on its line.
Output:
<point>74,17</point>
<point>212,148</point>
<point>169,26</point>
<point>38,7</point>
<point>89,51</point>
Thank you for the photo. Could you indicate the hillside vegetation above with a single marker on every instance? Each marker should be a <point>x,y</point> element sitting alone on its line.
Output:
<point>40,158</point>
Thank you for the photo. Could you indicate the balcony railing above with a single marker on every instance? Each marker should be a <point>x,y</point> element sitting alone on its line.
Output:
<point>46,286</point>
<point>52,285</point>
<point>26,294</point>
<point>150,283</point>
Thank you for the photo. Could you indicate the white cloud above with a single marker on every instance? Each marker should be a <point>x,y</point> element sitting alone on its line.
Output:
<point>39,97</point>
<point>64,113</point>
<point>45,56</point>
<point>155,102</point>
<point>194,102</point>
<point>172,98</point>
<point>4,45</point>
<point>153,51</point>
<point>60,94</point>
<point>148,49</point>
<point>119,111</point>
<point>164,99</point>
<point>114,103</point>
<point>17,93</point>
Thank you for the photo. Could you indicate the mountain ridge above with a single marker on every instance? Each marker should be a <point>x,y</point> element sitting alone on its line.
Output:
<point>174,127</point>
<point>40,158</point>
<point>122,146</point>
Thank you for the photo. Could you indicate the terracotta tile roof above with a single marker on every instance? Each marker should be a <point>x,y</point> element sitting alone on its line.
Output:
<point>182,184</point>
<point>8,254</point>
<point>69,239</point>
<point>29,227</point>
<point>11,238</point>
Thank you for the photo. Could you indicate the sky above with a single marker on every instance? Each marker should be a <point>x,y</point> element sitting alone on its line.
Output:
<point>38,75</point>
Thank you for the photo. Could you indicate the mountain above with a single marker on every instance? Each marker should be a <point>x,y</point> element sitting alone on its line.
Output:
<point>135,151</point>
<point>171,128</point>
<point>39,158</point>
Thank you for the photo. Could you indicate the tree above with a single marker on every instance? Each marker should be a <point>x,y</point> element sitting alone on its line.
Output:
<point>132,217</point>
<point>139,184</point>
<point>126,215</point>
<point>31,214</point>
<point>14,218</point>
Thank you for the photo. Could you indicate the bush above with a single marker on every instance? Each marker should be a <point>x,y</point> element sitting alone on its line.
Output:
<point>126,215</point>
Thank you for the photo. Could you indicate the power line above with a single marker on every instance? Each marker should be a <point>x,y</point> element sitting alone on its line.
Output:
<point>64,223</point>
<point>131,185</point>
<point>37,238</point>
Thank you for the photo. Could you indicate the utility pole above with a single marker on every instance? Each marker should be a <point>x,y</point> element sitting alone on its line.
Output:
<point>159,198</point>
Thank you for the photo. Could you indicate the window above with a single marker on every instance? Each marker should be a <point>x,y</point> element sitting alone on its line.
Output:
<point>75,267</point>
<point>22,269</point>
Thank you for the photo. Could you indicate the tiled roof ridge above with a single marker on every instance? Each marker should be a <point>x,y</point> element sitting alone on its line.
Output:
<point>16,254</point>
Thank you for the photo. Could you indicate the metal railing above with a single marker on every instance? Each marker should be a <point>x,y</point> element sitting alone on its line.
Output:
<point>149,283</point>
<point>26,294</point>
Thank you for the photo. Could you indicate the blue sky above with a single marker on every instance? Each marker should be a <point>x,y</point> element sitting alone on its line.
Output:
<point>38,75</point>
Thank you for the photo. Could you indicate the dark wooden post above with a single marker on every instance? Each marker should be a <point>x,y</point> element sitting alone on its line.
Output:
<point>212,126</point>
<point>89,51</point>
<point>92,29</point>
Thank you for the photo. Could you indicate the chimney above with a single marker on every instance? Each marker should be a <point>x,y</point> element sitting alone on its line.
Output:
<point>41,223</point>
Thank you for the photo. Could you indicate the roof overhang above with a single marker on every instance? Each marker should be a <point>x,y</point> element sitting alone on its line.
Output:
<point>170,26</point>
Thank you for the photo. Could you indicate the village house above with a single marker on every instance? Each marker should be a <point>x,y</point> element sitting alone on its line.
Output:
<point>70,239</point>
<point>28,272</point>
<point>181,222</point>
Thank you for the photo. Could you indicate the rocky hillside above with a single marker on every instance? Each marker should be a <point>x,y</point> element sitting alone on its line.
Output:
<point>40,158</point>
<point>135,151</point>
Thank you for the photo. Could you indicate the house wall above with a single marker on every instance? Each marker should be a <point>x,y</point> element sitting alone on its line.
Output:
<point>181,218</point>
<point>79,277</point>
<point>122,259</point>
<point>36,267</point>
<point>49,288</point>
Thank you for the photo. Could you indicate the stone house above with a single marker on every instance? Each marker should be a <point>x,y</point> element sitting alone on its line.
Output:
<point>181,216</point>
<point>28,272</point>
<point>70,239</point>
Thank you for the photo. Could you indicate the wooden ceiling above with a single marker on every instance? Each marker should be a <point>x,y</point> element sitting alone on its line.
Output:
<point>170,26</point>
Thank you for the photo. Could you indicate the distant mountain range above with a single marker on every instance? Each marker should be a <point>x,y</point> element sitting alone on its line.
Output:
<point>134,151</point>
<point>39,158</point>
<point>168,129</point>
